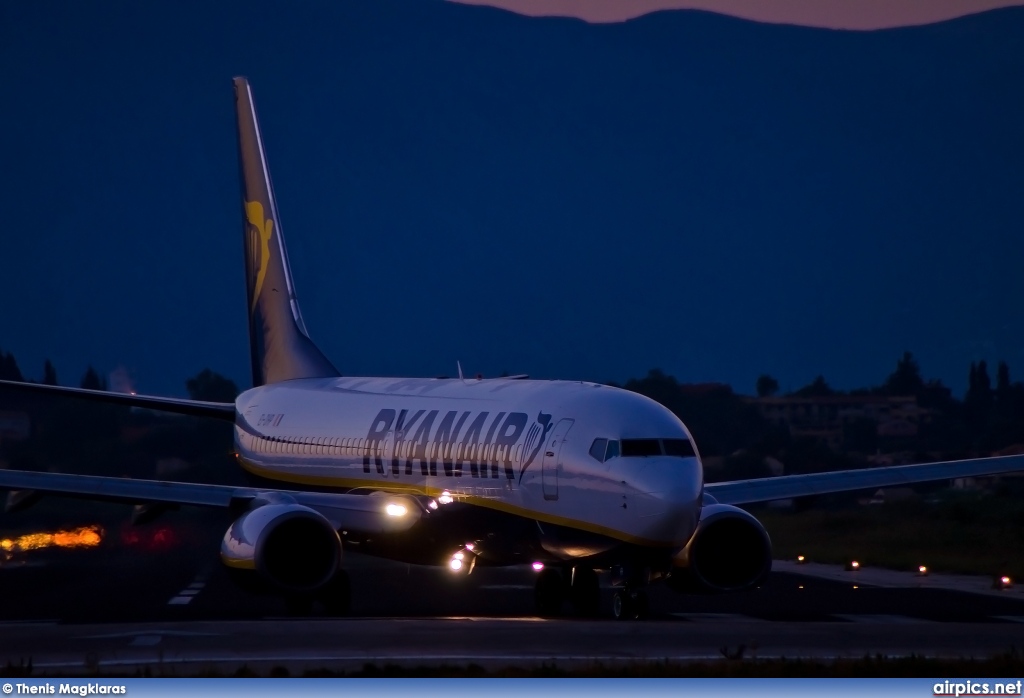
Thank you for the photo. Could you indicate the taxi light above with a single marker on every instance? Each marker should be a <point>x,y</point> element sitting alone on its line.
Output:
<point>538,566</point>
<point>800,559</point>
<point>852,566</point>
<point>922,571</point>
<point>459,556</point>
<point>396,510</point>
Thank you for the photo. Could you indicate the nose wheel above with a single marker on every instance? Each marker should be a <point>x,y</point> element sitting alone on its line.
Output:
<point>630,603</point>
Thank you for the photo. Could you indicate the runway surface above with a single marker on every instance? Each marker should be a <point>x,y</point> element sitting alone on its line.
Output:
<point>157,594</point>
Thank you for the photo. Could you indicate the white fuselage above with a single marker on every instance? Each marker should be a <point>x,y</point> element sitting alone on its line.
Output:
<point>517,446</point>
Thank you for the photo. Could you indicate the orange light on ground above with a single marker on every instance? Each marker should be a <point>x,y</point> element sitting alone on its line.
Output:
<point>84,537</point>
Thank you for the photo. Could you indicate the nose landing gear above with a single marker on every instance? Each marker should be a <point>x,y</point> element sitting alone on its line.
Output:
<point>549,592</point>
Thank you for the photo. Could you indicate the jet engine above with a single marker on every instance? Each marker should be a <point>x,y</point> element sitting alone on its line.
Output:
<point>730,551</point>
<point>291,546</point>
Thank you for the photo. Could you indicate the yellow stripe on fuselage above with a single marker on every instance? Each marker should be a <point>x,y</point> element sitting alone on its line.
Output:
<point>496,504</point>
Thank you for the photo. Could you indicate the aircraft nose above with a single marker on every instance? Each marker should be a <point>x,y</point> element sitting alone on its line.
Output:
<point>673,488</point>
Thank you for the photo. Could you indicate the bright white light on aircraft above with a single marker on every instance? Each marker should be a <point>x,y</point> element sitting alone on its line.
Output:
<point>396,510</point>
<point>455,564</point>
<point>445,498</point>
<point>801,559</point>
<point>1004,582</point>
<point>459,556</point>
<point>432,504</point>
<point>469,547</point>
<point>852,566</point>
<point>538,566</point>
<point>922,570</point>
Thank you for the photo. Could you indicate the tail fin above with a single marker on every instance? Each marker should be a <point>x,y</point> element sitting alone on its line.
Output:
<point>280,346</point>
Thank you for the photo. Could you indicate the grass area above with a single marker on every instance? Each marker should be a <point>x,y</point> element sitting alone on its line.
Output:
<point>956,532</point>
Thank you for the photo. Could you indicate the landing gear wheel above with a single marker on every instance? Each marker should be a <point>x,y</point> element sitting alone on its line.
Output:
<point>337,595</point>
<point>549,593</point>
<point>585,592</point>
<point>630,604</point>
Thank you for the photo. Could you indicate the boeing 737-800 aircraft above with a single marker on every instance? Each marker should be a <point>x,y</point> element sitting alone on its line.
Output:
<point>570,477</point>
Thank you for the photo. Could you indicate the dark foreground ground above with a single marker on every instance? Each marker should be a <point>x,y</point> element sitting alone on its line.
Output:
<point>156,596</point>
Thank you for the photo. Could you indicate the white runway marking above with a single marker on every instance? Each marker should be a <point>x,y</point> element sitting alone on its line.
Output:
<point>185,596</point>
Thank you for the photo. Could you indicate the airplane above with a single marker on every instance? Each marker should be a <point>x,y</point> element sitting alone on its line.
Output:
<point>573,478</point>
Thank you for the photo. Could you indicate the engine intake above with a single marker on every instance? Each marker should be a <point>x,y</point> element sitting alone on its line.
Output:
<point>730,551</point>
<point>291,546</point>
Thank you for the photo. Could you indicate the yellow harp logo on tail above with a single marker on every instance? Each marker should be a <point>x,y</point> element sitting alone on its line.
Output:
<point>259,246</point>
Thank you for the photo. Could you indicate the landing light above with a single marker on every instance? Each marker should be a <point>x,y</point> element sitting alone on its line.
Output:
<point>922,571</point>
<point>1003,582</point>
<point>800,559</point>
<point>445,498</point>
<point>538,566</point>
<point>455,564</point>
<point>852,566</point>
<point>459,556</point>
<point>396,510</point>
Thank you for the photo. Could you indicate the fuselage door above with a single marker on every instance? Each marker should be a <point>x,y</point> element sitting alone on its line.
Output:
<point>552,459</point>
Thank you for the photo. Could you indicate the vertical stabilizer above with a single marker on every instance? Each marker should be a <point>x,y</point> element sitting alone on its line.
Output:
<point>280,346</point>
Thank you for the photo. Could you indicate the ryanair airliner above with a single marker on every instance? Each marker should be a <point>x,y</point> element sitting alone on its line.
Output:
<point>573,478</point>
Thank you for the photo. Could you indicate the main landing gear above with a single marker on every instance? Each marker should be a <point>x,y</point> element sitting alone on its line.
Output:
<point>630,603</point>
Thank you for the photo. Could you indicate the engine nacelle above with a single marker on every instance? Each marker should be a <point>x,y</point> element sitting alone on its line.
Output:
<point>291,546</point>
<point>729,551</point>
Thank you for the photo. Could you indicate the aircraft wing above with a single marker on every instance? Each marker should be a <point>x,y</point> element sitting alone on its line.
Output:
<point>786,486</point>
<point>196,408</point>
<point>357,512</point>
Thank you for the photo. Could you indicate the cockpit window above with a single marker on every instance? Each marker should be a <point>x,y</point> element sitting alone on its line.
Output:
<point>613,450</point>
<point>641,447</point>
<point>678,447</point>
<point>597,449</point>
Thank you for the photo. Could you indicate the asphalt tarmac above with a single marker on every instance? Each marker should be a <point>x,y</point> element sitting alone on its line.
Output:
<point>157,593</point>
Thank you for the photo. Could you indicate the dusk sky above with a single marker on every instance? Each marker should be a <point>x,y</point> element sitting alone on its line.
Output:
<point>713,196</point>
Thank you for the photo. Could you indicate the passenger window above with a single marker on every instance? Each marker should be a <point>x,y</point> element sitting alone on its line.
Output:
<point>613,450</point>
<point>597,449</point>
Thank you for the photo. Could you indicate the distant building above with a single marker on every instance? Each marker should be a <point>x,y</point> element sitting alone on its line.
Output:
<point>824,417</point>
